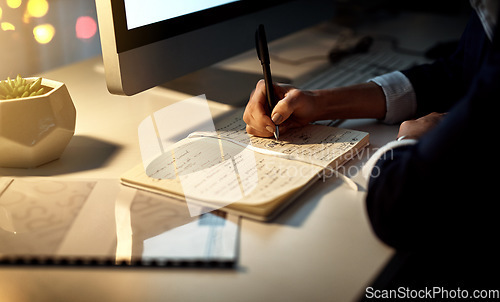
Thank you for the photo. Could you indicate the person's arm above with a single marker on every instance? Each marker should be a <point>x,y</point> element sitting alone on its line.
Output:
<point>414,189</point>
<point>400,99</point>
<point>418,190</point>
<point>436,192</point>
<point>300,107</point>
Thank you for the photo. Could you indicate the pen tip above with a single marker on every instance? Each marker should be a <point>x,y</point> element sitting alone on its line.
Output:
<point>277,133</point>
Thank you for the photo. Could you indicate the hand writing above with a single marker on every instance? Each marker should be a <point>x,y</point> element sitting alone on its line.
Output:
<point>296,108</point>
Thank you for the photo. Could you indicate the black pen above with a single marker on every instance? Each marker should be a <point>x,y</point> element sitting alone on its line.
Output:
<point>263,54</point>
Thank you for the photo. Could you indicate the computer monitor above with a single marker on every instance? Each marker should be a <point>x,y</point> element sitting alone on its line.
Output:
<point>148,42</point>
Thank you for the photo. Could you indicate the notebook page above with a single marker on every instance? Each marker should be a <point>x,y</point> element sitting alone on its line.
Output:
<point>315,144</point>
<point>220,172</point>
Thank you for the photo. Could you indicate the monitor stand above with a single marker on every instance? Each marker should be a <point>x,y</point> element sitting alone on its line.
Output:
<point>221,85</point>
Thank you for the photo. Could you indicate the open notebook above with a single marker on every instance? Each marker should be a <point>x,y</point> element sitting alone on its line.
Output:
<point>231,170</point>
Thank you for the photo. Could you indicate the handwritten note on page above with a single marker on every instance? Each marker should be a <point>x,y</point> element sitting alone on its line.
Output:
<point>222,167</point>
<point>315,144</point>
<point>220,172</point>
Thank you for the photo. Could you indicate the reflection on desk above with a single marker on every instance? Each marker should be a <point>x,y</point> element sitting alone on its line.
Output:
<point>78,222</point>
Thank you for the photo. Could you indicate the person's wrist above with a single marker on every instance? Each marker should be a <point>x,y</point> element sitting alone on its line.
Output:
<point>324,103</point>
<point>365,100</point>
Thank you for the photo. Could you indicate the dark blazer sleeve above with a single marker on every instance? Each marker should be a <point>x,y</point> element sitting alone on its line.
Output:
<point>440,192</point>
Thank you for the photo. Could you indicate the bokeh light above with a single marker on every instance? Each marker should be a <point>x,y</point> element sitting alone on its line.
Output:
<point>86,27</point>
<point>14,3</point>
<point>7,26</point>
<point>37,35</point>
<point>37,8</point>
<point>44,33</point>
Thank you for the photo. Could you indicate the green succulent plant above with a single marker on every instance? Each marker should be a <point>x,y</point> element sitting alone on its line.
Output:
<point>20,88</point>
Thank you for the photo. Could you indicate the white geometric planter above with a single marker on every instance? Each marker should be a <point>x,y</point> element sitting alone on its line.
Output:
<point>36,130</point>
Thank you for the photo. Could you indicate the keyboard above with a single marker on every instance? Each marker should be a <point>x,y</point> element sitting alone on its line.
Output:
<point>359,68</point>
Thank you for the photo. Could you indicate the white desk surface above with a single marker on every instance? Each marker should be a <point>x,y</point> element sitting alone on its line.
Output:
<point>320,249</point>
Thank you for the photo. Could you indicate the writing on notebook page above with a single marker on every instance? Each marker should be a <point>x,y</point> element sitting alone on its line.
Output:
<point>312,143</point>
<point>206,169</point>
<point>218,165</point>
<point>229,177</point>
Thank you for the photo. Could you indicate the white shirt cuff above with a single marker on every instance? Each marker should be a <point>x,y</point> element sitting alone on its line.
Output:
<point>400,97</point>
<point>368,170</point>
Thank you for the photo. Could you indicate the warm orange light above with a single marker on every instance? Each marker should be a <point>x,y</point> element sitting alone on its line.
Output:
<point>7,26</point>
<point>0,13</point>
<point>44,33</point>
<point>37,8</point>
<point>26,17</point>
<point>14,3</point>
<point>86,27</point>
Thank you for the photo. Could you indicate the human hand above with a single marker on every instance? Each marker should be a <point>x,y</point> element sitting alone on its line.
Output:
<point>414,129</point>
<point>296,108</point>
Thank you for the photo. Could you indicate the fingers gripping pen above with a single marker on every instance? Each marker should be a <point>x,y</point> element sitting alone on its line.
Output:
<point>263,54</point>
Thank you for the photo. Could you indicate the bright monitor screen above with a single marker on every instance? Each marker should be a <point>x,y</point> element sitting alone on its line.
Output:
<point>144,12</point>
<point>146,43</point>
